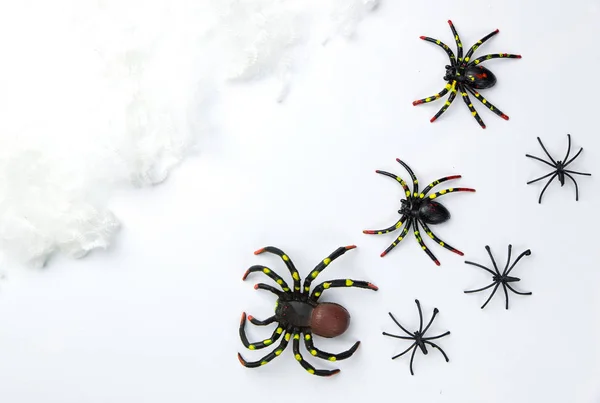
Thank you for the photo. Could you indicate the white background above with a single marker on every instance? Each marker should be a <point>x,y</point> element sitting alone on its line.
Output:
<point>155,318</point>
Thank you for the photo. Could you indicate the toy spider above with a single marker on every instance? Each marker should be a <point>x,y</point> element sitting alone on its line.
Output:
<point>420,208</point>
<point>559,169</point>
<point>299,312</point>
<point>498,278</point>
<point>465,76</point>
<point>418,337</point>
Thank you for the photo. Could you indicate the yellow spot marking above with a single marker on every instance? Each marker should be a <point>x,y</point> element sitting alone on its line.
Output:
<point>296,276</point>
<point>311,371</point>
<point>277,352</point>
<point>416,181</point>
<point>285,257</point>
<point>474,113</point>
<point>349,283</point>
<point>307,336</point>
<point>408,193</point>
<point>466,59</point>
<point>297,288</point>
<point>267,342</point>
<point>313,352</point>
<point>470,105</point>
<point>477,61</point>
<point>279,330</point>
<point>379,233</point>
<point>280,281</point>
<point>400,238</point>
<point>326,261</point>
<point>430,235</point>
<point>438,41</point>
<point>314,274</point>
<point>432,196</point>
<point>317,294</point>
<point>442,191</point>
<point>448,86</point>
<point>286,289</point>
<point>296,336</point>
<point>332,358</point>
<point>424,247</point>
<point>399,224</point>
<point>441,243</point>
<point>266,271</point>
<point>264,363</point>
<point>326,285</point>
<point>287,337</point>
<point>447,102</point>
<point>306,288</point>
<point>422,195</point>
<point>427,99</point>
<point>298,357</point>
<point>485,101</point>
<point>464,94</point>
<point>416,232</point>
<point>451,190</point>
<point>251,347</point>
<point>416,194</point>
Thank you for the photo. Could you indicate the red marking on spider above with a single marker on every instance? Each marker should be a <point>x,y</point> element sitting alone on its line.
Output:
<point>256,286</point>
<point>335,371</point>
<point>482,75</point>
<point>349,247</point>
<point>458,252</point>
<point>437,262</point>
<point>450,22</point>
<point>243,318</point>
<point>423,37</point>
<point>368,231</point>
<point>433,119</point>
<point>242,361</point>
<point>258,252</point>
<point>454,177</point>
<point>250,317</point>
<point>246,275</point>
<point>372,286</point>
<point>497,30</point>
<point>465,189</point>
<point>518,56</point>
<point>417,102</point>
<point>383,254</point>
<point>505,117</point>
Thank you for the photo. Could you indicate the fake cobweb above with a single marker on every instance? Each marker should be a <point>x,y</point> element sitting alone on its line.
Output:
<point>96,95</point>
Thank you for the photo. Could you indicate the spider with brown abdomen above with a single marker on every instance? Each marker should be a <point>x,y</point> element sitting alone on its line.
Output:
<point>298,313</point>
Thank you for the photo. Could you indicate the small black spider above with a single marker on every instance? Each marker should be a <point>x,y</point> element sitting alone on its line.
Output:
<point>465,75</point>
<point>420,208</point>
<point>299,312</point>
<point>419,340</point>
<point>559,169</point>
<point>498,278</point>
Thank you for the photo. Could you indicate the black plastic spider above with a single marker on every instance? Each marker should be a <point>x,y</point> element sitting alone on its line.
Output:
<point>466,76</point>
<point>498,278</point>
<point>559,169</point>
<point>418,337</point>
<point>298,312</point>
<point>420,208</point>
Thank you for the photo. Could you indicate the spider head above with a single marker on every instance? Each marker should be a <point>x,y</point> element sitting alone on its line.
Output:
<point>453,72</point>
<point>408,207</point>
<point>505,279</point>
<point>560,166</point>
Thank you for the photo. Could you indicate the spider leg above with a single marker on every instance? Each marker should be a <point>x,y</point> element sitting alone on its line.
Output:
<point>487,104</point>
<point>568,148</point>
<point>518,292</point>
<point>491,295</point>
<point>269,357</point>
<point>505,294</point>
<point>324,355</point>
<point>479,43</point>
<point>412,358</point>
<point>258,322</point>
<point>433,97</point>
<point>546,151</point>
<point>387,230</point>
<point>399,239</point>
<point>288,262</point>
<point>420,316</point>
<point>278,279</point>
<point>546,187</point>
<point>541,160</point>
<point>576,187</point>
<point>258,345</point>
<point>540,178</point>
<point>489,251</point>
<point>306,365</point>
<point>435,312</point>
<point>423,246</point>
<point>400,326</point>
<point>323,264</point>
<point>412,176</point>
<point>436,337</point>
<point>480,266</point>
<point>508,258</point>
<point>405,351</point>
<point>439,348</point>
<point>398,337</point>
<point>443,109</point>
<point>397,178</point>
<point>577,173</point>
<point>573,159</point>
<point>459,46</point>
<point>467,100</point>
<point>481,289</point>
<point>438,240</point>
<point>437,182</point>
<point>494,56</point>
<point>525,253</point>
<point>263,286</point>
<point>443,46</point>
<point>340,283</point>
<point>450,190</point>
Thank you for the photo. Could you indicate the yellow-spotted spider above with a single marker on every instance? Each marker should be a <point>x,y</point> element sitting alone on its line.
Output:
<point>420,208</point>
<point>299,314</point>
<point>466,75</point>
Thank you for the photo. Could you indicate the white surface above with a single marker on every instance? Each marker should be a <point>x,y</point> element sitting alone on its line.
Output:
<point>156,321</point>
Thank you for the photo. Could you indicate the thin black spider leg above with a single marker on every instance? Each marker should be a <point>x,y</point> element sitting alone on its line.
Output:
<point>437,182</point>
<point>423,246</point>
<point>278,279</point>
<point>489,251</point>
<point>263,286</point>
<point>325,355</point>
<point>412,176</point>
<point>577,173</point>
<point>480,266</point>
<point>573,159</point>
<point>288,262</point>
<point>568,148</point>
<point>258,322</point>
<point>399,239</point>
<point>438,348</point>
<point>505,294</point>
<point>546,151</point>
<point>436,337</point>
<point>525,253</point>
<point>267,358</point>
<point>398,179</point>
<point>449,101</point>
<point>459,46</point>
<point>450,190</point>
<point>539,159</point>
<point>400,326</point>
<point>469,104</point>
<point>435,312</point>
<point>412,358</point>
<point>306,365</point>
<point>491,295</point>
<point>258,345</point>
<point>314,296</point>
<point>508,258</point>
<point>481,289</point>
<point>420,316</point>
<point>414,345</point>
<point>487,103</point>
<point>387,230</point>
<point>478,44</point>
<point>323,264</point>
<point>518,292</point>
<point>438,240</point>
<point>576,187</point>
<point>398,337</point>
<point>540,178</point>
<point>546,187</point>
<point>433,97</point>
<point>443,46</point>
<point>484,58</point>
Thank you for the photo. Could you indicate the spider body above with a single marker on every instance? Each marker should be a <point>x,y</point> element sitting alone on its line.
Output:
<point>299,312</point>
<point>419,209</point>
<point>465,76</point>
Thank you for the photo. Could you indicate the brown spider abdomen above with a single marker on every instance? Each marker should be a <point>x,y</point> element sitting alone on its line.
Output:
<point>329,320</point>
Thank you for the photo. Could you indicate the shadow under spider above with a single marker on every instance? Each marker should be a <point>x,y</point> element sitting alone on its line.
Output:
<point>419,340</point>
<point>559,169</point>
<point>498,278</point>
